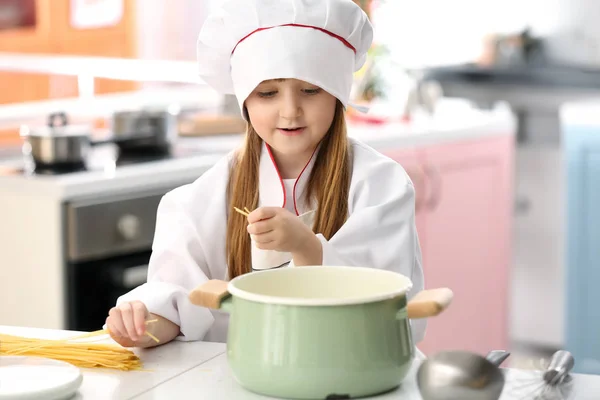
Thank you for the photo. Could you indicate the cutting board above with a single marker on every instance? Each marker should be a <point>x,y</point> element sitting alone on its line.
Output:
<point>209,124</point>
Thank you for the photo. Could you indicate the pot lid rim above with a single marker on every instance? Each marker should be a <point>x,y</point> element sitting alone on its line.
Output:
<point>60,131</point>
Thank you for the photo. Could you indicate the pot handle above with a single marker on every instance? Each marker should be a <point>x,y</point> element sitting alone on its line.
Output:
<point>211,294</point>
<point>429,303</point>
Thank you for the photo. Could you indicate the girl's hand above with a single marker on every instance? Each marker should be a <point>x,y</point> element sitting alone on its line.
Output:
<point>126,324</point>
<point>275,228</point>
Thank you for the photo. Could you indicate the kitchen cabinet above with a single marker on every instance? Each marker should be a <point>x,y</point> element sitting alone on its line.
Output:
<point>464,213</point>
<point>49,31</point>
<point>44,27</point>
<point>582,314</point>
<point>25,27</point>
<point>538,282</point>
<point>115,40</point>
<point>24,24</point>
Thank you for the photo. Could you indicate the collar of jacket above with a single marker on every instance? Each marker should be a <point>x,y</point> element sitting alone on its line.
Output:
<point>271,187</point>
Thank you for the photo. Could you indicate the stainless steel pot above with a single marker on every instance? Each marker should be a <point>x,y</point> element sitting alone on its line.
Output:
<point>59,143</point>
<point>146,128</point>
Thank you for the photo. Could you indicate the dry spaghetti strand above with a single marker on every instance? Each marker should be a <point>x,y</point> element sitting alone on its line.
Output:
<point>245,214</point>
<point>84,354</point>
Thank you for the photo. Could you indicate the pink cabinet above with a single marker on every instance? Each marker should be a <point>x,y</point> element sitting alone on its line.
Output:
<point>464,214</point>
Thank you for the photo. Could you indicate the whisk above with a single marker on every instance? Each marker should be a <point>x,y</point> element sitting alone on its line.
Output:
<point>553,382</point>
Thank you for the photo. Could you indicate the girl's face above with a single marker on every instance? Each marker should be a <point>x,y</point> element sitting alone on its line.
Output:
<point>291,116</point>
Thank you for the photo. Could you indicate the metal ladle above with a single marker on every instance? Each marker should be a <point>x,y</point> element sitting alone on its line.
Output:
<point>462,375</point>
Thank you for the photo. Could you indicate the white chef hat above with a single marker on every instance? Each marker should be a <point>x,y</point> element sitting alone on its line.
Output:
<point>244,42</point>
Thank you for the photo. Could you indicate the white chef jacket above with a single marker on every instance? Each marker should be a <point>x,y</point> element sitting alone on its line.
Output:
<point>189,242</point>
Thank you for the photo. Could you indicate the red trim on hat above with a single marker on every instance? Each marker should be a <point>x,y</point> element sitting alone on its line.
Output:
<point>341,39</point>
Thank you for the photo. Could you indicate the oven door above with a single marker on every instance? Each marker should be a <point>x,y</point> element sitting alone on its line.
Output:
<point>108,244</point>
<point>95,286</point>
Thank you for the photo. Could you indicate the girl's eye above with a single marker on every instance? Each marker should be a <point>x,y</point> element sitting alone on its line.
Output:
<point>312,91</point>
<point>266,94</point>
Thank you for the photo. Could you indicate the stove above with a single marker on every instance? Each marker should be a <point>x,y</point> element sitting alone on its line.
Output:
<point>110,157</point>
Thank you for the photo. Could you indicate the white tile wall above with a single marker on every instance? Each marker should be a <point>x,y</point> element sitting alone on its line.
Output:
<point>440,32</point>
<point>575,36</point>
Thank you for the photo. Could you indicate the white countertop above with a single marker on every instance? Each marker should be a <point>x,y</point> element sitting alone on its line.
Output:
<point>161,364</point>
<point>213,380</point>
<point>123,179</point>
<point>454,121</point>
<point>190,370</point>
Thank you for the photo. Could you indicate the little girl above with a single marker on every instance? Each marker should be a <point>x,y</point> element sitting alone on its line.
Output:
<point>314,196</point>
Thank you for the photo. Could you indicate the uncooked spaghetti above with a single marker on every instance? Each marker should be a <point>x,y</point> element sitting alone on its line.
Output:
<point>245,212</point>
<point>84,354</point>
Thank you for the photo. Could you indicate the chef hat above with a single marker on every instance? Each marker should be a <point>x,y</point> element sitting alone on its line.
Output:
<point>244,42</point>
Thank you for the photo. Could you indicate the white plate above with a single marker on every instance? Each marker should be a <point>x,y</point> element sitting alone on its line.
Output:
<point>32,378</point>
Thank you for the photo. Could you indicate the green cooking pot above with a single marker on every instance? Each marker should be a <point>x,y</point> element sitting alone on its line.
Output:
<point>320,332</point>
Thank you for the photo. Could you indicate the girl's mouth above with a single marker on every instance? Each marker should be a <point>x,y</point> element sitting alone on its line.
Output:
<point>291,131</point>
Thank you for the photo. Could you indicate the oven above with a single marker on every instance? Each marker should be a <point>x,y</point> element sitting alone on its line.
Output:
<point>107,246</point>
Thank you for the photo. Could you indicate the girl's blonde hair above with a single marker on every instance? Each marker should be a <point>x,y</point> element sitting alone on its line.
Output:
<point>328,184</point>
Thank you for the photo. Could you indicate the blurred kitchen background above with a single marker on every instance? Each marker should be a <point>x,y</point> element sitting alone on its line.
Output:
<point>493,108</point>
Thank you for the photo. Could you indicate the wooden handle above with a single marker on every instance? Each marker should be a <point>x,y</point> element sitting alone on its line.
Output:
<point>209,294</point>
<point>429,303</point>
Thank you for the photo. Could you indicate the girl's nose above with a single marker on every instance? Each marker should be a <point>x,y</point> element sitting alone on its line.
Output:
<point>290,107</point>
